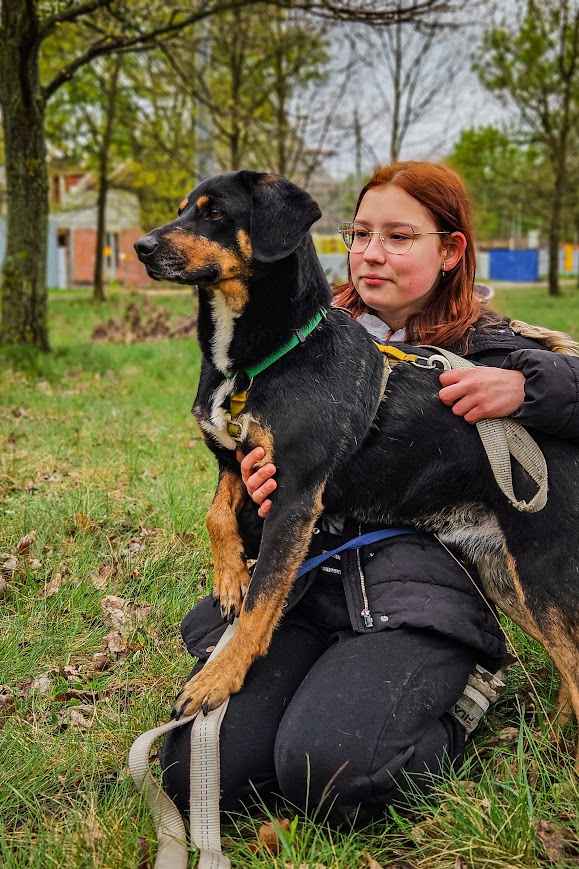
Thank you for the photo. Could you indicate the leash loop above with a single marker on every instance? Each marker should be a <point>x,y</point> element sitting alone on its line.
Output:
<point>204,822</point>
<point>502,439</point>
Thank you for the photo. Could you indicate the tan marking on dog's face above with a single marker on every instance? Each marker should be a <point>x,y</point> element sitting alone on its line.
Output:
<point>203,200</point>
<point>244,244</point>
<point>200,252</point>
<point>183,204</point>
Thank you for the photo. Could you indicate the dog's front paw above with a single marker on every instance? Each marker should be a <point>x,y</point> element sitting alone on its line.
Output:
<point>210,687</point>
<point>230,586</point>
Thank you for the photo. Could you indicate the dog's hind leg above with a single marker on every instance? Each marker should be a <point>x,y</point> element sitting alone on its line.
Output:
<point>564,711</point>
<point>551,629</point>
<point>231,577</point>
<point>562,643</point>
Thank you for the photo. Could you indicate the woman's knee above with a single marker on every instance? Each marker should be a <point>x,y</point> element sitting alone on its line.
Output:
<point>323,772</point>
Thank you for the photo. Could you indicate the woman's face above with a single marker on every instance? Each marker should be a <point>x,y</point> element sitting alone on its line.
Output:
<point>395,286</point>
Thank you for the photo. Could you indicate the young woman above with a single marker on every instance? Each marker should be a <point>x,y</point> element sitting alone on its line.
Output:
<point>353,698</point>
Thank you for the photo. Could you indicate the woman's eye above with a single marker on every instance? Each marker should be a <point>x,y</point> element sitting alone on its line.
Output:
<point>361,234</point>
<point>397,236</point>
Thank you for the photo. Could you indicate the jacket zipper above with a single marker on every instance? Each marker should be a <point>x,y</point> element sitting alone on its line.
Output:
<point>365,613</point>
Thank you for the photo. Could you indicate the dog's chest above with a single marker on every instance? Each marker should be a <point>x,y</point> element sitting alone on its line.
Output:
<point>213,416</point>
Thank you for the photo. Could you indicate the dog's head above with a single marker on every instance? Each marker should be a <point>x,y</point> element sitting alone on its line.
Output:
<point>224,227</point>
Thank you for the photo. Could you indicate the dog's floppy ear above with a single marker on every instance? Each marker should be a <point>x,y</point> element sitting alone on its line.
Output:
<point>281,214</point>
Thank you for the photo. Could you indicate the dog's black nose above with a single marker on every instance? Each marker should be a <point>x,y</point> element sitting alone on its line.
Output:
<point>146,246</point>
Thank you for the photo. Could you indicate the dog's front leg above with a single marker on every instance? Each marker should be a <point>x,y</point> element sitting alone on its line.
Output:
<point>230,575</point>
<point>286,536</point>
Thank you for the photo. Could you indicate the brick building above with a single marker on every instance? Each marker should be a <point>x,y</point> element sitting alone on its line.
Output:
<point>72,230</point>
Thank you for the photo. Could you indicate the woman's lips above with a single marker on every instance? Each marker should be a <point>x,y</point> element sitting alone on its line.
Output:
<point>373,280</point>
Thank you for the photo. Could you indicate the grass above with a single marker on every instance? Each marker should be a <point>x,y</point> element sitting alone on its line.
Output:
<point>101,459</point>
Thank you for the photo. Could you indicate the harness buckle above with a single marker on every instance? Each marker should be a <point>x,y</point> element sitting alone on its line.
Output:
<point>429,362</point>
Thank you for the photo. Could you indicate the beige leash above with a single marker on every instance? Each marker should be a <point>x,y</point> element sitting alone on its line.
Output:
<point>204,822</point>
<point>503,438</point>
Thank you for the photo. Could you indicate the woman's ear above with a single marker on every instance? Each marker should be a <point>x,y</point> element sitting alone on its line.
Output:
<point>453,248</point>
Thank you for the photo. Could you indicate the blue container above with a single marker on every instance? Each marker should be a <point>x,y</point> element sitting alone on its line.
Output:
<point>514,265</point>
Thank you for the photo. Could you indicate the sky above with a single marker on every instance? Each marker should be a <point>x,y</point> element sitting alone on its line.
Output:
<point>460,101</point>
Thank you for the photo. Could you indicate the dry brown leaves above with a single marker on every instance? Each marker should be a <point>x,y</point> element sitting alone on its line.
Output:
<point>559,843</point>
<point>268,836</point>
<point>368,862</point>
<point>124,618</point>
<point>144,322</point>
<point>12,563</point>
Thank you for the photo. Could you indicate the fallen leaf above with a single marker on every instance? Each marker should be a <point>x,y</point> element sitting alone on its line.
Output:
<point>122,615</point>
<point>116,643</point>
<point>7,704</point>
<point>459,863</point>
<point>555,840</point>
<point>101,578</point>
<point>100,661</point>
<point>3,585</point>
<point>504,736</point>
<point>369,862</point>
<point>8,565</point>
<point>35,563</point>
<point>41,684</point>
<point>77,716</point>
<point>26,542</point>
<point>267,835</point>
<point>54,586</point>
<point>144,853</point>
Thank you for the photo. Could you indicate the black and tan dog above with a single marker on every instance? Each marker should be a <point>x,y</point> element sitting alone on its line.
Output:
<point>394,456</point>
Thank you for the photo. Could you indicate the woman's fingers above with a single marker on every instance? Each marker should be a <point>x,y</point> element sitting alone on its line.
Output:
<point>248,462</point>
<point>258,481</point>
<point>482,392</point>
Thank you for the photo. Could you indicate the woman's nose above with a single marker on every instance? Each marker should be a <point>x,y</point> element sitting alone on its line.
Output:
<point>375,251</point>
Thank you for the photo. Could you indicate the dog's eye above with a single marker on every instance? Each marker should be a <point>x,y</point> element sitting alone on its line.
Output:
<point>214,214</point>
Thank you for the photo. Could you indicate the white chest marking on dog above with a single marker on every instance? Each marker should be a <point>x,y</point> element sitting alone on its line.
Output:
<point>216,424</point>
<point>223,323</point>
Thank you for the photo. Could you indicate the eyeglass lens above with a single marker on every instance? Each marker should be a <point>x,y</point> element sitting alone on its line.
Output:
<point>394,239</point>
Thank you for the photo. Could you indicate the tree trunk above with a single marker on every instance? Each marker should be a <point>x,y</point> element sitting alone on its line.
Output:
<point>24,296</point>
<point>103,180</point>
<point>555,226</point>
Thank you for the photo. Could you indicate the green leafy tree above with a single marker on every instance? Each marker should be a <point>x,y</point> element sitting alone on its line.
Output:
<point>508,182</point>
<point>110,27</point>
<point>534,64</point>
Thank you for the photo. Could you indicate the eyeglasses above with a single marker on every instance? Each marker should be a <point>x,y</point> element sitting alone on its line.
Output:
<point>397,238</point>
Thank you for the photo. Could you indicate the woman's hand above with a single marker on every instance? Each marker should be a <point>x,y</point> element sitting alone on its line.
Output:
<point>482,393</point>
<point>259,483</point>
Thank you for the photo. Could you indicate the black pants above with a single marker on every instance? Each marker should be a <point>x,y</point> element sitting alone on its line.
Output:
<point>331,718</point>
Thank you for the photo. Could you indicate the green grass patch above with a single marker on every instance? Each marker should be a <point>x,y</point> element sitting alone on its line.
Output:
<point>101,461</point>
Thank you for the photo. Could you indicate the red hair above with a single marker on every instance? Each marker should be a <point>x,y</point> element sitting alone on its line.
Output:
<point>453,308</point>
